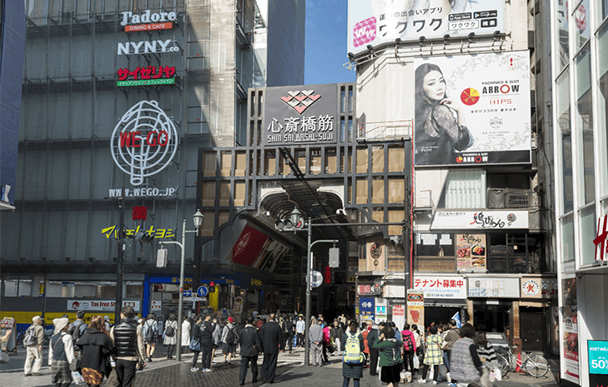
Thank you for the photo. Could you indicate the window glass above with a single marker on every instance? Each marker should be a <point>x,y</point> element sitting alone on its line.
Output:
<point>562,32</point>
<point>464,189</point>
<point>602,49</point>
<point>581,24</point>
<point>588,225</point>
<point>568,238</point>
<point>584,126</point>
<point>601,10</point>
<point>563,112</point>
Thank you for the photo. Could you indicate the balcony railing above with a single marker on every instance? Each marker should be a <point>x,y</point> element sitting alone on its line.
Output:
<point>511,198</point>
<point>382,131</point>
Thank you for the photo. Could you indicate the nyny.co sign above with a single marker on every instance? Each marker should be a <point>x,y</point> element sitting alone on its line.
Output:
<point>153,47</point>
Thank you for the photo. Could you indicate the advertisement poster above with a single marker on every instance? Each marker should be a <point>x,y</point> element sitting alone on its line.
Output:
<point>570,330</point>
<point>598,363</point>
<point>471,253</point>
<point>100,305</point>
<point>441,287</point>
<point>415,307</point>
<point>472,109</point>
<point>382,21</point>
<point>494,287</point>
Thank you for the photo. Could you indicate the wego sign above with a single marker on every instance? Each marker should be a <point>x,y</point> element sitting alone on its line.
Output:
<point>144,141</point>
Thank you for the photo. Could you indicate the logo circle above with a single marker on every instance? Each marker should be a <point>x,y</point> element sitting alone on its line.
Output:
<point>144,141</point>
<point>375,251</point>
<point>469,96</point>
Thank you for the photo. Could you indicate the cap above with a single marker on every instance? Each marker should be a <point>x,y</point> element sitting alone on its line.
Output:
<point>107,318</point>
<point>36,319</point>
<point>230,319</point>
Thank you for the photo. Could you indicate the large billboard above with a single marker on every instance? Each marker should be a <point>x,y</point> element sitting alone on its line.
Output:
<point>300,115</point>
<point>472,109</point>
<point>382,21</point>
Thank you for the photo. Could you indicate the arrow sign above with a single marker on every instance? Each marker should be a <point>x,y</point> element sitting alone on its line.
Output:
<point>316,279</point>
<point>202,291</point>
<point>187,293</point>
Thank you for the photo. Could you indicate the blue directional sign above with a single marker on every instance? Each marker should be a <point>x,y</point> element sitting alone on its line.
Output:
<point>202,291</point>
<point>187,293</point>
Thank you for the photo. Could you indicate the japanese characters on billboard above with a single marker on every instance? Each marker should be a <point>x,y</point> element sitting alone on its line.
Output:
<point>441,287</point>
<point>415,307</point>
<point>377,22</point>
<point>472,109</point>
<point>570,330</point>
<point>471,253</point>
<point>300,115</point>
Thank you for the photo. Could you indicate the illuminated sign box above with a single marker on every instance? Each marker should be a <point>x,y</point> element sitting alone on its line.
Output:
<point>146,82</point>
<point>149,27</point>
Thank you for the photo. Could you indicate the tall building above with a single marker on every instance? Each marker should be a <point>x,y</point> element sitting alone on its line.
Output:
<point>118,96</point>
<point>580,45</point>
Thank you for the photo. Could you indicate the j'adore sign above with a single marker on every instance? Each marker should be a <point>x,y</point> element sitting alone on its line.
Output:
<point>148,21</point>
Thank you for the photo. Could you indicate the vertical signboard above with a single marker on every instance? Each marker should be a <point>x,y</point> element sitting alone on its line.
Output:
<point>570,330</point>
<point>471,253</point>
<point>415,308</point>
<point>367,309</point>
<point>598,363</point>
<point>472,109</point>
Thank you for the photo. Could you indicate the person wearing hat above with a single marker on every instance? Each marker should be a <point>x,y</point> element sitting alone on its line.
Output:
<point>229,339</point>
<point>34,350</point>
<point>106,320</point>
<point>61,353</point>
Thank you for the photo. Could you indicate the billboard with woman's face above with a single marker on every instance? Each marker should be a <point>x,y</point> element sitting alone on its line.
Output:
<point>472,109</point>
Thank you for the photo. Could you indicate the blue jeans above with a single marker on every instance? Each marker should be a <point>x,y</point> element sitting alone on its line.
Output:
<point>446,359</point>
<point>347,380</point>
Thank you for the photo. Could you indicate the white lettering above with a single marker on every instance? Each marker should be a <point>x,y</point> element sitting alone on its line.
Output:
<point>136,46</point>
<point>125,18</point>
<point>145,47</point>
<point>171,191</point>
<point>155,17</point>
<point>136,191</point>
<point>164,46</point>
<point>135,19</point>
<point>145,18</point>
<point>172,16</point>
<point>123,48</point>
<point>150,47</point>
<point>163,16</point>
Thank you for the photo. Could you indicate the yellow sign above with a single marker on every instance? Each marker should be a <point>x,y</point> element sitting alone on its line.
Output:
<point>159,233</point>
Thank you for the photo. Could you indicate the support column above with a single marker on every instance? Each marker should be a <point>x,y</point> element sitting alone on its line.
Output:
<point>515,327</point>
<point>470,312</point>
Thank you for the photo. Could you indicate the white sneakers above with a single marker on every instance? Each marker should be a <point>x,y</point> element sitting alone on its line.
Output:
<point>193,369</point>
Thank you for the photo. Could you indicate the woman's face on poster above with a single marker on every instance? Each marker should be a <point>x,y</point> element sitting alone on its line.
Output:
<point>434,86</point>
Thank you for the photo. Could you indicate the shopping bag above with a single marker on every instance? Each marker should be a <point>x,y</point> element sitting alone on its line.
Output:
<point>77,378</point>
<point>432,373</point>
<point>416,362</point>
<point>497,374</point>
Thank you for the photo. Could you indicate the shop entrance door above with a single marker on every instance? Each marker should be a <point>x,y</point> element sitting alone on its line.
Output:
<point>532,329</point>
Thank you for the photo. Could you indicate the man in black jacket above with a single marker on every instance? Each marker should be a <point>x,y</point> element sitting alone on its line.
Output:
<point>271,340</point>
<point>206,342</point>
<point>251,345</point>
<point>129,342</point>
<point>373,352</point>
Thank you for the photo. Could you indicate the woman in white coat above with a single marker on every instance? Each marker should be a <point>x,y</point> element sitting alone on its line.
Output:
<point>186,327</point>
<point>170,335</point>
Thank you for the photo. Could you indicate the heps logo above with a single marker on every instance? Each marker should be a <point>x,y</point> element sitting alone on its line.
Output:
<point>364,32</point>
<point>155,46</point>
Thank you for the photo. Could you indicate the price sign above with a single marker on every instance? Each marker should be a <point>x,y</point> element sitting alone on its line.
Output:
<point>598,357</point>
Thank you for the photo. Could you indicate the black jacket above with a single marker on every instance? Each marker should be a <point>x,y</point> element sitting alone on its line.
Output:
<point>372,336</point>
<point>290,326</point>
<point>247,337</point>
<point>271,337</point>
<point>96,347</point>
<point>125,338</point>
<point>206,331</point>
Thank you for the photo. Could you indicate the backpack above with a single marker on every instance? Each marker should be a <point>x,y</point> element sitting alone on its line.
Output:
<point>353,354</point>
<point>408,345</point>
<point>169,332</point>
<point>29,338</point>
<point>149,332</point>
<point>230,336</point>
<point>78,331</point>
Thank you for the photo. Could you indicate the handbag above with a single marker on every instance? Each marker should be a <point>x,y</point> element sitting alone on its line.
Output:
<point>416,362</point>
<point>195,345</point>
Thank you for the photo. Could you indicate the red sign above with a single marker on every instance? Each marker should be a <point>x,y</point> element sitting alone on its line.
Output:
<point>248,246</point>
<point>601,239</point>
<point>327,275</point>
<point>149,27</point>
<point>139,213</point>
<point>149,72</point>
<point>398,310</point>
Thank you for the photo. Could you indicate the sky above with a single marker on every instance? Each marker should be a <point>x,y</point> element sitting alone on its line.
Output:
<point>326,43</point>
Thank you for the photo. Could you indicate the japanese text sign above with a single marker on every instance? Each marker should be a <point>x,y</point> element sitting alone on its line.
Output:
<point>492,219</point>
<point>441,287</point>
<point>494,287</point>
<point>300,114</point>
<point>471,252</point>
<point>377,22</point>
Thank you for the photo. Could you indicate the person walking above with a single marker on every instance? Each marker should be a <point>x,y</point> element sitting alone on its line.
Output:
<point>336,334</point>
<point>390,360</point>
<point>32,341</point>
<point>465,361</point>
<point>487,355</point>
<point>300,328</point>
<point>170,335</point>
<point>315,334</point>
<point>196,343</point>
<point>216,338</point>
<point>229,340</point>
<point>96,346</point>
<point>290,332</point>
<point>352,362</point>
<point>372,336</point>
<point>365,332</point>
<point>452,335</point>
<point>251,346</point>
<point>150,335</point>
<point>61,353</point>
<point>434,356</point>
<point>409,348</point>
<point>186,327</point>
<point>129,341</point>
<point>271,339</point>
<point>206,339</point>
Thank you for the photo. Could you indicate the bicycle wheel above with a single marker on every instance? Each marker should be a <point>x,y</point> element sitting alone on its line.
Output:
<point>536,366</point>
<point>503,364</point>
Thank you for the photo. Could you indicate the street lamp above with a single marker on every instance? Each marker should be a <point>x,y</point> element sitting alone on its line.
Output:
<point>197,218</point>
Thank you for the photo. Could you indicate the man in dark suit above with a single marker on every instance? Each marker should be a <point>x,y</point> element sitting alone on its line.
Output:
<point>271,340</point>
<point>251,346</point>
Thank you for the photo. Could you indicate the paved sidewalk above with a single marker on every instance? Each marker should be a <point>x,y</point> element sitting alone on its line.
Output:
<point>290,373</point>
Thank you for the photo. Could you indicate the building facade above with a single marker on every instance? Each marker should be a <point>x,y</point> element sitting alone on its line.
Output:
<point>118,96</point>
<point>579,68</point>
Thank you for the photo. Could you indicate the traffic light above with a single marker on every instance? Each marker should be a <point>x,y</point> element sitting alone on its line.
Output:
<point>287,225</point>
<point>144,237</point>
<point>211,287</point>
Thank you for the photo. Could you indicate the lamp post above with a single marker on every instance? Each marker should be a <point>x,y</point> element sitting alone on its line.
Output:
<point>198,221</point>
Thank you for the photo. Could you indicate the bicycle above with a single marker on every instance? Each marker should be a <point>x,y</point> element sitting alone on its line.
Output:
<point>533,365</point>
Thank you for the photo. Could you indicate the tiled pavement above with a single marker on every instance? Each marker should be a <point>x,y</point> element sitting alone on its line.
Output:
<point>162,372</point>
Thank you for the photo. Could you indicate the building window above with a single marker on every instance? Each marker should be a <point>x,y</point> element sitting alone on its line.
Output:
<point>464,189</point>
<point>588,232</point>
<point>563,111</point>
<point>581,24</point>
<point>435,252</point>
<point>601,10</point>
<point>602,53</point>
<point>563,46</point>
<point>567,238</point>
<point>584,126</point>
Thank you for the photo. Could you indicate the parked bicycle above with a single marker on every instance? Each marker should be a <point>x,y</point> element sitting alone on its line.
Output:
<point>533,365</point>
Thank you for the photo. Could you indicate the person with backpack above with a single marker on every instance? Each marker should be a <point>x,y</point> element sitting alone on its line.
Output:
<point>216,337</point>
<point>206,339</point>
<point>409,348</point>
<point>372,336</point>
<point>352,361</point>
<point>150,335</point>
<point>77,329</point>
<point>170,335</point>
<point>61,353</point>
<point>32,341</point>
<point>390,356</point>
<point>229,339</point>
